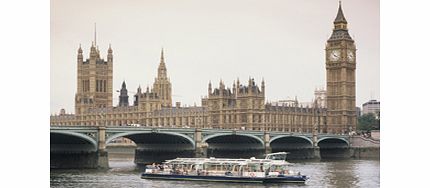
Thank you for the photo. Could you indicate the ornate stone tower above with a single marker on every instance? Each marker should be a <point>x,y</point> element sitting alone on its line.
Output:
<point>162,85</point>
<point>340,68</point>
<point>94,80</point>
<point>250,101</point>
<point>123,97</point>
<point>241,107</point>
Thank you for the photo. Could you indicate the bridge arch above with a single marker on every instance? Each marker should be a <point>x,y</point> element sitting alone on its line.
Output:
<point>234,145</point>
<point>74,150</point>
<point>258,139</point>
<point>292,136</point>
<point>298,146</point>
<point>128,134</point>
<point>84,137</point>
<point>333,139</point>
<point>334,147</point>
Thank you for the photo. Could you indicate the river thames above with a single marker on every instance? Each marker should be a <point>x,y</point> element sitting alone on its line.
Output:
<point>323,173</point>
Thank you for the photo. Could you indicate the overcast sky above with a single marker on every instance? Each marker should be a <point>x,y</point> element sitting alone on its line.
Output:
<point>281,41</point>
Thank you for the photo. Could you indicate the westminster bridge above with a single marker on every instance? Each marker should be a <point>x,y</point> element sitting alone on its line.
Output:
<point>85,146</point>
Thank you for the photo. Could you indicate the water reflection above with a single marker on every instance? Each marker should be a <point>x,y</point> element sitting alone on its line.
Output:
<point>124,173</point>
<point>340,173</point>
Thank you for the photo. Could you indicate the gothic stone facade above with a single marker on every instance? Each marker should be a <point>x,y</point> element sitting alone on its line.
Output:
<point>240,107</point>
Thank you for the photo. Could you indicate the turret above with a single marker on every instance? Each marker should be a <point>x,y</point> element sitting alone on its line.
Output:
<point>98,52</point>
<point>123,97</point>
<point>93,51</point>
<point>110,56</point>
<point>221,85</point>
<point>80,56</point>
<point>209,88</point>
<point>137,95</point>
<point>221,88</point>
<point>263,86</point>
<point>234,88</point>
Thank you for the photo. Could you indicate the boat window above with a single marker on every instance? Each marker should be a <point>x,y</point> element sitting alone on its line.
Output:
<point>253,167</point>
<point>266,166</point>
<point>278,168</point>
<point>236,168</point>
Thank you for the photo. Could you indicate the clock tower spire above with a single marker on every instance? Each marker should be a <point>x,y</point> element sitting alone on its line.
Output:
<point>340,72</point>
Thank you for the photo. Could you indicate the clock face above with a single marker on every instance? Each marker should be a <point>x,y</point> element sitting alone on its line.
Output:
<point>334,55</point>
<point>350,55</point>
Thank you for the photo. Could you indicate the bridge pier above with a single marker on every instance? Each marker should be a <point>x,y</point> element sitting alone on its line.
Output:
<point>102,154</point>
<point>317,154</point>
<point>200,147</point>
<point>267,148</point>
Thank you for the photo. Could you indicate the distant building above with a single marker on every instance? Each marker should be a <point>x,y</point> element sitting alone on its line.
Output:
<point>319,101</point>
<point>358,111</point>
<point>287,102</point>
<point>371,106</point>
<point>320,98</point>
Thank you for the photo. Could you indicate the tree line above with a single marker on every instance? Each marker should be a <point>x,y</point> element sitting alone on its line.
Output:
<point>368,122</point>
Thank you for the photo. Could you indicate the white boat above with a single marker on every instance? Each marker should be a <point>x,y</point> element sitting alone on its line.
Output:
<point>272,169</point>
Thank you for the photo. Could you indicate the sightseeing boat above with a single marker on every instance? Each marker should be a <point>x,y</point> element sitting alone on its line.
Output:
<point>272,169</point>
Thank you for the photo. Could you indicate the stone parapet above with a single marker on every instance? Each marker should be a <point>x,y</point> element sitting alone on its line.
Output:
<point>358,141</point>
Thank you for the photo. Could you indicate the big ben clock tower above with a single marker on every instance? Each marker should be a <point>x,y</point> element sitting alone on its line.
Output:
<point>340,68</point>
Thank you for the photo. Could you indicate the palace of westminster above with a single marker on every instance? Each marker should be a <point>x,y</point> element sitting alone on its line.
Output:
<point>240,107</point>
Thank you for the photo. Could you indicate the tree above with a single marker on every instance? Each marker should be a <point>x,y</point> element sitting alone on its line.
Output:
<point>378,118</point>
<point>368,122</point>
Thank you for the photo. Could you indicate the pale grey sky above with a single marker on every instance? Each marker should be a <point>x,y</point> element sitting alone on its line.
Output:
<point>280,40</point>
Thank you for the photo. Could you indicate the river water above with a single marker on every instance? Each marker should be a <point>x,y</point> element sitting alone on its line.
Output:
<point>323,173</point>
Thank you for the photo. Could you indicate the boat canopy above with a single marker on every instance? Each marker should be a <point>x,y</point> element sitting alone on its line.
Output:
<point>270,159</point>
